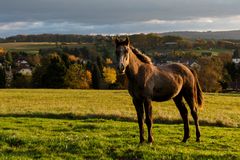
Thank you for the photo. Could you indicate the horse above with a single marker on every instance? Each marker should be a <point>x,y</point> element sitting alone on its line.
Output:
<point>147,83</point>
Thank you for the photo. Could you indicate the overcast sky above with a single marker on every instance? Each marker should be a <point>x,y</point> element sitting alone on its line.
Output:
<point>116,16</point>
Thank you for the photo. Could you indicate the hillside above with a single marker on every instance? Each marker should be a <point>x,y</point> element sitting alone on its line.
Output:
<point>219,35</point>
<point>234,35</point>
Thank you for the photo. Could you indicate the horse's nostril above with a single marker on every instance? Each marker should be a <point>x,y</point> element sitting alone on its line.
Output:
<point>121,67</point>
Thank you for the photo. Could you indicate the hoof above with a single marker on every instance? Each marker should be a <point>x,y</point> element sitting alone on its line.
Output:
<point>150,140</point>
<point>150,143</point>
<point>185,139</point>
<point>141,141</point>
<point>197,140</point>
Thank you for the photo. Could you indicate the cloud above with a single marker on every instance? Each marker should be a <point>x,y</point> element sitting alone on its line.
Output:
<point>20,25</point>
<point>108,16</point>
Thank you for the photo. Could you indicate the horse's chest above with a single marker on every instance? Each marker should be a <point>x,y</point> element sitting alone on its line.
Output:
<point>134,91</point>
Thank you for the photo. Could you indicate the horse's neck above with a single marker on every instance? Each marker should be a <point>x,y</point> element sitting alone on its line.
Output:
<point>133,67</point>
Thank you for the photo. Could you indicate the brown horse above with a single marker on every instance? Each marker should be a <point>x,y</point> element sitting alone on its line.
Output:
<point>158,83</point>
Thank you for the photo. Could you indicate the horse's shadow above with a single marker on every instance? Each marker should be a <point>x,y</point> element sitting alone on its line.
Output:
<point>68,116</point>
<point>72,116</point>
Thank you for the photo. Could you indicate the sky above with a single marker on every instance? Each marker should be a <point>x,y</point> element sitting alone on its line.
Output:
<point>116,16</point>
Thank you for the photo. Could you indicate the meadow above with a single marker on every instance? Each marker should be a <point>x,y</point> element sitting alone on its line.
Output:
<point>33,47</point>
<point>101,124</point>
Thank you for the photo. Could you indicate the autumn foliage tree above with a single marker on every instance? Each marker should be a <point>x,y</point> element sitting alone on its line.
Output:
<point>110,75</point>
<point>210,73</point>
<point>78,78</point>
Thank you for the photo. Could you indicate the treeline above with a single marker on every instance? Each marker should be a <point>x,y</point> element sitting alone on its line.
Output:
<point>233,35</point>
<point>84,68</point>
<point>146,42</point>
<point>54,38</point>
<point>218,73</point>
<point>60,70</point>
<point>93,65</point>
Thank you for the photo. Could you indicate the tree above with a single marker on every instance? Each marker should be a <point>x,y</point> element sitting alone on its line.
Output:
<point>2,52</point>
<point>37,76</point>
<point>234,72</point>
<point>9,57</point>
<point>100,63</point>
<point>34,59</point>
<point>210,74</point>
<point>21,81</point>
<point>55,73</point>
<point>96,77</point>
<point>72,59</point>
<point>65,59</point>
<point>110,75</point>
<point>2,78</point>
<point>77,77</point>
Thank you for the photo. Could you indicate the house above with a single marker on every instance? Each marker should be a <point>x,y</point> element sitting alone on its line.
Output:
<point>22,64</point>
<point>23,67</point>
<point>236,56</point>
<point>25,71</point>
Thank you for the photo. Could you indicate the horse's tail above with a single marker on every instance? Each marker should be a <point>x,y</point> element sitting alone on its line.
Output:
<point>198,90</point>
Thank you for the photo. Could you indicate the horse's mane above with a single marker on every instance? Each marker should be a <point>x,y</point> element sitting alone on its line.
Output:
<point>142,57</point>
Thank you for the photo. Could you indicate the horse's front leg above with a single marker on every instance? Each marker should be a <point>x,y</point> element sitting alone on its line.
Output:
<point>140,112</point>
<point>149,119</point>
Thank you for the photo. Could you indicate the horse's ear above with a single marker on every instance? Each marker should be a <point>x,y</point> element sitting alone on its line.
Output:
<point>127,41</point>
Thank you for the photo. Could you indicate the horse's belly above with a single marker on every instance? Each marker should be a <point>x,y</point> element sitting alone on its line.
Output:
<point>162,98</point>
<point>160,95</point>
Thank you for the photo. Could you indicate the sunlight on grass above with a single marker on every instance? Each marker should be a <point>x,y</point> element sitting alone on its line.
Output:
<point>98,124</point>
<point>23,138</point>
<point>219,109</point>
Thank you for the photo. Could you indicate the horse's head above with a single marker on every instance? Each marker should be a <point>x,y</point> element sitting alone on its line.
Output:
<point>122,52</point>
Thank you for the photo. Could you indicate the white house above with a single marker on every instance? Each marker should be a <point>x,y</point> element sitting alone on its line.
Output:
<point>25,71</point>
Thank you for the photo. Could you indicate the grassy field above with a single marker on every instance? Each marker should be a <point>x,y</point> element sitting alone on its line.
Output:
<point>90,124</point>
<point>33,47</point>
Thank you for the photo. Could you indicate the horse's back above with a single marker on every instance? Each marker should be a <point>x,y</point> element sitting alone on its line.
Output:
<point>170,80</point>
<point>177,68</point>
<point>161,83</point>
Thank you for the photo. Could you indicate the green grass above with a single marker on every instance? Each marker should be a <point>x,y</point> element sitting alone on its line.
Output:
<point>33,47</point>
<point>219,109</point>
<point>90,124</point>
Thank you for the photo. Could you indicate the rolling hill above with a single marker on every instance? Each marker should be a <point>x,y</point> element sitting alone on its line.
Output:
<point>234,34</point>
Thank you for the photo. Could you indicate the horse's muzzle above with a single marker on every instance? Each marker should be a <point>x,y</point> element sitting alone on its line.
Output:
<point>121,69</point>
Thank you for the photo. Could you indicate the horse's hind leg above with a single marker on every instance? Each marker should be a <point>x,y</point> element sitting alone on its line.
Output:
<point>148,112</point>
<point>140,112</point>
<point>184,114</point>
<point>191,102</point>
